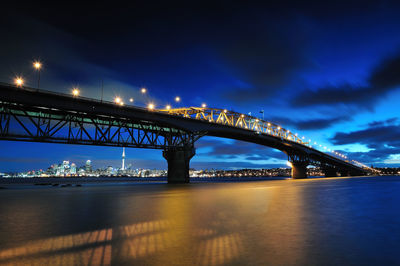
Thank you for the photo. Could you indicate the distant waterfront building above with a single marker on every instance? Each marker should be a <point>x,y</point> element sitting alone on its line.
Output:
<point>123,159</point>
<point>109,170</point>
<point>88,166</point>
<point>72,170</point>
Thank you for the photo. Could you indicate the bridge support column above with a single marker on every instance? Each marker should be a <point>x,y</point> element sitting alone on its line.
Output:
<point>356,173</point>
<point>344,173</point>
<point>299,170</point>
<point>178,164</point>
<point>330,172</point>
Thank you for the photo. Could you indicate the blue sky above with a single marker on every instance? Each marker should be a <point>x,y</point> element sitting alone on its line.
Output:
<point>328,71</point>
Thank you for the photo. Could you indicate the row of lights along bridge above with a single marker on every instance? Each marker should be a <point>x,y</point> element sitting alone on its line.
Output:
<point>19,81</point>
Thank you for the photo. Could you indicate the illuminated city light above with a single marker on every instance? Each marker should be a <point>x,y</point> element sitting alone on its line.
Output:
<point>269,124</point>
<point>168,107</point>
<point>289,164</point>
<point>279,128</point>
<point>143,90</point>
<point>131,100</point>
<point>225,110</point>
<point>177,99</point>
<point>203,105</point>
<point>19,81</point>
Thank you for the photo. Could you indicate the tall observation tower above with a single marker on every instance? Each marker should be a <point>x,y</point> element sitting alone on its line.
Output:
<point>123,158</point>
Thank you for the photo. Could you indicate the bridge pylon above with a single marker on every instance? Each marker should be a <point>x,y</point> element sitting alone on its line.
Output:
<point>331,171</point>
<point>178,159</point>
<point>299,165</point>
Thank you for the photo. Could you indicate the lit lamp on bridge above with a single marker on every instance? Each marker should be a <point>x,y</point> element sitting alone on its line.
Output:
<point>168,107</point>
<point>38,66</point>
<point>75,92</point>
<point>151,106</point>
<point>203,105</point>
<point>177,99</point>
<point>117,100</point>
<point>19,81</point>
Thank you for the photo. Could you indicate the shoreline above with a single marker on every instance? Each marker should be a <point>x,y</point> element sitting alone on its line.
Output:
<point>43,181</point>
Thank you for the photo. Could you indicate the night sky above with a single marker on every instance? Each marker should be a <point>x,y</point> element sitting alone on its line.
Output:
<point>328,70</point>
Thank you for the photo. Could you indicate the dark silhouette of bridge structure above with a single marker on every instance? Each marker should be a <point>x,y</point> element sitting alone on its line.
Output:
<point>28,114</point>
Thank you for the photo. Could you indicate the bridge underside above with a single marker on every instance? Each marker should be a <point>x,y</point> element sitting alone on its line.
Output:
<point>28,115</point>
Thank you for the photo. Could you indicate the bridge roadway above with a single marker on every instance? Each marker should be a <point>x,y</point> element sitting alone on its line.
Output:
<point>28,114</point>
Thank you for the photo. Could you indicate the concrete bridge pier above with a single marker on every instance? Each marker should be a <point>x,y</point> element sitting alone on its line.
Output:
<point>330,172</point>
<point>344,173</point>
<point>356,173</point>
<point>299,170</point>
<point>178,164</point>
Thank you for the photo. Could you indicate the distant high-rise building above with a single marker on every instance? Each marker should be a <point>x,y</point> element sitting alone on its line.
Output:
<point>73,169</point>
<point>88,166</point>
<point>123,159</point>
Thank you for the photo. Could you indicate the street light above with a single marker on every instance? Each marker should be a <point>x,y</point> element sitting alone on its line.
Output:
<point>38,66</point>
<point>168,107</point>
<point>117,100</point>
<point>177,99</point>
<point>131,100</point>
<point>203,105</point>
<point>151,106</point>
<point>75,92</point>
<point>143,90</point>
<point>19,81</point>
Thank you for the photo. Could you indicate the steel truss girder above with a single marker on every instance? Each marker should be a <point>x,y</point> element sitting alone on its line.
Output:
<point>234,119</point>
<point>23,123</point>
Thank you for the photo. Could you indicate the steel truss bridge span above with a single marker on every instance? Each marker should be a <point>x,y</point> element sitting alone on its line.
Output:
<point>31,115</point>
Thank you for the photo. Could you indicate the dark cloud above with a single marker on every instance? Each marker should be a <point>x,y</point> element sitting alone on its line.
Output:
<point>382,137</point>
<point>265,60</point>
<point>382,80</point>
<point>389,121</point>
<point>369,136</point>
<point>312,124</point>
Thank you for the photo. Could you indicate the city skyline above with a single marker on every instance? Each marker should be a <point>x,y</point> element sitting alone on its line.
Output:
<point>331,77</point>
